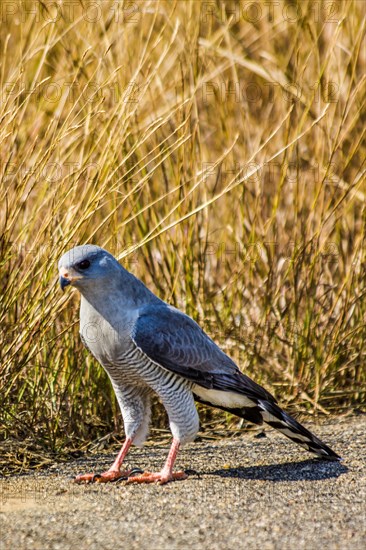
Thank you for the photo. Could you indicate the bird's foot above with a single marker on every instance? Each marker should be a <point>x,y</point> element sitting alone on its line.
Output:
<point>157,477</point>
<point>105,477</point>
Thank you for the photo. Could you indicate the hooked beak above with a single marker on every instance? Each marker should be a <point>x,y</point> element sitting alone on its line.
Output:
<point>64,282</point>
<point>67,277</point>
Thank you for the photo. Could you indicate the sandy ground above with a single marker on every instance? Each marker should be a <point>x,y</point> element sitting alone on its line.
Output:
<point>248,492</point>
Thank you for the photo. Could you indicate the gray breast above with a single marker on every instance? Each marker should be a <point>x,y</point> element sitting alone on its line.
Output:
<point>127,366</point>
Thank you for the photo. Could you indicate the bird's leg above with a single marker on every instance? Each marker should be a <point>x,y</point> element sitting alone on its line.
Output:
<point>114,471</point>
<point>166,473</point>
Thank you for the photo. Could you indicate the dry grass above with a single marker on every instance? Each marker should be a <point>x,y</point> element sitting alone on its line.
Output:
<point>220,153</point>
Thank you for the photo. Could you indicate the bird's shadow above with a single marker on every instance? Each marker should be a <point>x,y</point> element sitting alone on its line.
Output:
<point>304,470</point>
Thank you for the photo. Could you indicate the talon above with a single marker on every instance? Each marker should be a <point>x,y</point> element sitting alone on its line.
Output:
<point>134,472</point>
<point>119,479</point>
<point>122,477</point>
<point>95,478</point>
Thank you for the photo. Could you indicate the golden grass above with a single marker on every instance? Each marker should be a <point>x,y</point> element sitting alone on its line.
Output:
<point>219,151</point>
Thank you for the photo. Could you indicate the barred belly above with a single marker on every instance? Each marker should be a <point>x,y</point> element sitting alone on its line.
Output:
<point>134,377</point>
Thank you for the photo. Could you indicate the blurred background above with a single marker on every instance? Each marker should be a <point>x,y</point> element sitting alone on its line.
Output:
<point>218,150</point>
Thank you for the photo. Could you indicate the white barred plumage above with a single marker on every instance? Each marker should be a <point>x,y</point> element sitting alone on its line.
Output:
<point>147,346</point>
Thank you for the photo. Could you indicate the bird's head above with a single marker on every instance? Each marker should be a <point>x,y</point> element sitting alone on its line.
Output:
<point>83,265</point>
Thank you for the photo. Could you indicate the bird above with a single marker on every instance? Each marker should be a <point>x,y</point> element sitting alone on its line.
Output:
<point>149,347</point>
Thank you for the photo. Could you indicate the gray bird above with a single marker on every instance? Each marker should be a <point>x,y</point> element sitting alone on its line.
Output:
<point>147,346</point>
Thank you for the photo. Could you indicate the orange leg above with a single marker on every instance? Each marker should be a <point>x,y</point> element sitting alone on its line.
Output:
<point>166,473</point>
<point>114,471</point>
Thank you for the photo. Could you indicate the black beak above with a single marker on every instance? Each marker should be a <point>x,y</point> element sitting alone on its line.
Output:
<point>63,282</point>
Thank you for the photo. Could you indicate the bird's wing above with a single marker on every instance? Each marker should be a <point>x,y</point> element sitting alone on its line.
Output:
<point>175,342</point>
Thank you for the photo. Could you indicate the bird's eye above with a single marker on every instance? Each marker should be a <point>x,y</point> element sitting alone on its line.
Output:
<point>83,265</point>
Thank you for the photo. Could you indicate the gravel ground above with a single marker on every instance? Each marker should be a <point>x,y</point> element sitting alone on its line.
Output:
<point>248,492</point>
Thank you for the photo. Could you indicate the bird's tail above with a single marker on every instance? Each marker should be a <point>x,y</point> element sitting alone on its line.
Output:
<point>273,415</point>
<point>264,410</point>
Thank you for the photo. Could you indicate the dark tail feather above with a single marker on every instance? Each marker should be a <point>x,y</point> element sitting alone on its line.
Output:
<point>274,416</point>
<point>280,420</point>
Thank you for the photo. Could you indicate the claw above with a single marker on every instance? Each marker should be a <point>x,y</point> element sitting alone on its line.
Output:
<point>135,471</point>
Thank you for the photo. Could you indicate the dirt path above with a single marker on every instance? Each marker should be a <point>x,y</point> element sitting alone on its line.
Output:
<point>253,493</point>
